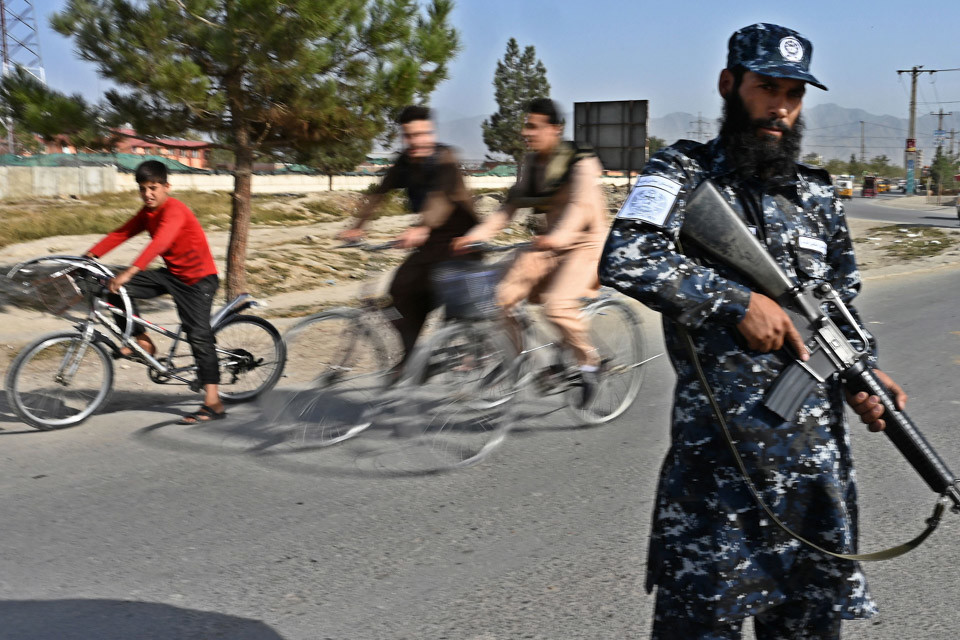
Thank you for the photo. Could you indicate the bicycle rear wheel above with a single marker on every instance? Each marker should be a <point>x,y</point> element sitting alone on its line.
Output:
<point>255,359</point>
<point>59,381</point>
<point>334,380</point>
<point>454,408</point>
<point>615,331</point>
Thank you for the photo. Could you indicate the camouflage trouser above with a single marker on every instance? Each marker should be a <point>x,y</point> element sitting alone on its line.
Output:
<point>797,620</point>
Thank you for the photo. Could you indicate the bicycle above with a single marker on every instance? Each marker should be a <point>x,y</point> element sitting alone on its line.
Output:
<point>542,363</point>
<point>451,405</point>
<point>345,351</point>
<point>63,378</point>
<point>352,384</point>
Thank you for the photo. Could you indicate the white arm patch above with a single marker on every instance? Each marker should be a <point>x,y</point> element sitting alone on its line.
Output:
<point>651,200</point>
<point>813,244</point>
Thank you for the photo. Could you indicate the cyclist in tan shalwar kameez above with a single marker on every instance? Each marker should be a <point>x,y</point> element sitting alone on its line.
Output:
<point>562,183</point>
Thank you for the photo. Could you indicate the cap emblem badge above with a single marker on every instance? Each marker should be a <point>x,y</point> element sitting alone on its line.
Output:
<point>791,49</point>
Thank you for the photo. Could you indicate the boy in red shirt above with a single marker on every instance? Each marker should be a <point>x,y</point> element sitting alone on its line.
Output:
<point>190,277</point>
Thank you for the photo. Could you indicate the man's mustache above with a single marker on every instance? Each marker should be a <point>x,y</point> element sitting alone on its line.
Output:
<point>770,123</point>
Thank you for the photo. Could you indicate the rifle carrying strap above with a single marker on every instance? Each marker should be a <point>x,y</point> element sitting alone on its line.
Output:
<point>885,554</point>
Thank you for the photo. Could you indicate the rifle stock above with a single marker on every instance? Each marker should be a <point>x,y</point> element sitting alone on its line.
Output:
<point>712,224</point>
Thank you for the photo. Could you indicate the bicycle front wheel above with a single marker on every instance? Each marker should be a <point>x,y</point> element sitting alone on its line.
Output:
<point>252,356</point>
<point>59,381</point>
<point>615,331</point>
<point>454,408</point>
<point>334,380</point>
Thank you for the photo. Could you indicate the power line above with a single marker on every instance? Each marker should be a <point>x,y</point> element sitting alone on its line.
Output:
<point>700,134</point>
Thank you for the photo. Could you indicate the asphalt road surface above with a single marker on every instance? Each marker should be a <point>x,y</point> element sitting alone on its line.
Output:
<point>132,527</point>
<point>884,208</point>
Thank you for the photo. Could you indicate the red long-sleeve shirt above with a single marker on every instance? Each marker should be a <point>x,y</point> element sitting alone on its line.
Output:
<point>177,236</point>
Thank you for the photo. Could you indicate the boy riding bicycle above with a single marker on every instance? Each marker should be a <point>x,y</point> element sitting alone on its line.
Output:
<point>190,277</point>
<point>562,182</point>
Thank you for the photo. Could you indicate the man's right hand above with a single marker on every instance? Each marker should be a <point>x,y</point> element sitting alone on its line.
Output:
<point>767,327</point>
<point>462,244</point>
<point>353,234</point>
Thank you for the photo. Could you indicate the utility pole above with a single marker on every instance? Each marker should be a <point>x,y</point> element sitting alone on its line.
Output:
<point>953,133</point>
<point>863,146</point>
<point>911,154</point>
<point>700,133</point>
<point>939,135</point>
<point>19,46</point>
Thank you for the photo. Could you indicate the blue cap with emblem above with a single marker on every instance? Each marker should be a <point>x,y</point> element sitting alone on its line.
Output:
<point>772,50</point>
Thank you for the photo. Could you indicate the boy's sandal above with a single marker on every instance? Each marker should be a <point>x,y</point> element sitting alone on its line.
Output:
<point>126,353</point>
<point>203,414</point>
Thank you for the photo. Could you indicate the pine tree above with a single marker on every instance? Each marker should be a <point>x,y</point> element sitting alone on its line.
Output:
<point>517,80</point>
<point>294,80</point>
<point>854,167</point>
<point>654,144</point>
<point>35,109</point>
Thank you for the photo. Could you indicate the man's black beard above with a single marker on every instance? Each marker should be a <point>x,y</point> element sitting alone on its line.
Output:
<point>758,156</point>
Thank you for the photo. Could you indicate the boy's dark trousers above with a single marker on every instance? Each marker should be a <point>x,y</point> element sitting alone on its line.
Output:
<point>193,302</point>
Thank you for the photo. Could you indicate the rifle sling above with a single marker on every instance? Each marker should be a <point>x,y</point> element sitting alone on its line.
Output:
<point>885,554</point>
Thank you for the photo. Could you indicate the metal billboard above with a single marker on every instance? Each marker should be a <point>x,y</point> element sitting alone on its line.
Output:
<point>616,129</point>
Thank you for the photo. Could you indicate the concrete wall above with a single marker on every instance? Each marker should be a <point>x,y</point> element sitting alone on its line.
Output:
<point>290,183</point>
<point>29,182</point>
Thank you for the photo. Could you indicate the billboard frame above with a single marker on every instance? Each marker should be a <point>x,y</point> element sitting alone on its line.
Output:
<point>593,122</point>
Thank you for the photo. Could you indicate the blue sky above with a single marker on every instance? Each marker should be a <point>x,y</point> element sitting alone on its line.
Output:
<point>667,52</point>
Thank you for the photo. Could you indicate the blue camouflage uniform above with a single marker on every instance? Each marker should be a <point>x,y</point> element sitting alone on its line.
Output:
<point>713,553</point>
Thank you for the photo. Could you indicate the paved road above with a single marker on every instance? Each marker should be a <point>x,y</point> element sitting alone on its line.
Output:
<point>130,527</point>
<point>884,207</point>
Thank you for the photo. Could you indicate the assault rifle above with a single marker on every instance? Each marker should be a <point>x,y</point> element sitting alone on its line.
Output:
<point>714,227</point>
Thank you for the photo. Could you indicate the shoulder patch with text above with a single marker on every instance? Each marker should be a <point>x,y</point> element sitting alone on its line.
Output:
<point>651,200</point>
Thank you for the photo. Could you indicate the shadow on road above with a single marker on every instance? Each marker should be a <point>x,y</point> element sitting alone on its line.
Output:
<point>119,401</point>
<point>396,444</point>
<point>9,423</point>
<point>950,218</point>
<point>122,620</point>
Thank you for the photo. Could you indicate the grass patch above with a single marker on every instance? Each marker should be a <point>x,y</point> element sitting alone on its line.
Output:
<point>395,204</point>
<point>277,215</point>
<point>326,209</point>
<point>33,219</point>
<point>910,242</point>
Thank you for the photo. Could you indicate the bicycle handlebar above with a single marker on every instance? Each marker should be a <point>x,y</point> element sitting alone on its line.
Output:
<point>366,246</point>
<point>91,265</point>
<point>497,248</point>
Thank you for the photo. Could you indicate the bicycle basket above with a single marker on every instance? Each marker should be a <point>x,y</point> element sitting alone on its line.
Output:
<point>467,289</point>
<point>58,291</point>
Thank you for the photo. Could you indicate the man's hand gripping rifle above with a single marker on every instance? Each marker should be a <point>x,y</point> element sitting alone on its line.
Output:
<point>714,227</point>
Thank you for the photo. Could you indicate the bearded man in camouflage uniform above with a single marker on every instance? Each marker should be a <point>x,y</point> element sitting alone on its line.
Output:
<point>714,556</point>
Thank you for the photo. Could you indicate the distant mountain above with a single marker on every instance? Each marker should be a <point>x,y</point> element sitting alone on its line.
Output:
<point>831,130</point>
<point>834,132</point>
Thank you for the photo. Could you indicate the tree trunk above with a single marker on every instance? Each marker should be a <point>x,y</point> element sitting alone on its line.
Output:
<point>240,218</point>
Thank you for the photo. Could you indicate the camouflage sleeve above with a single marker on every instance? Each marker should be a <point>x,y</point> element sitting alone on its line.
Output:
<point>846,276</point>
<point>642,261</point>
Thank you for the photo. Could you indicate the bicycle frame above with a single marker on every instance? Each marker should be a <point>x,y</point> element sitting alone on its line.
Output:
<point>532,342</point>
<point>235,306</point>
